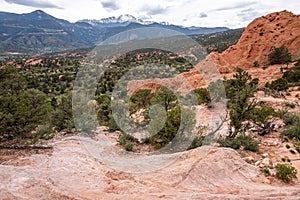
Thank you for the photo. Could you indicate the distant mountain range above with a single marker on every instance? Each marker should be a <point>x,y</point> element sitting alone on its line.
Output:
<point>38,32</point>
<point>122,20</point>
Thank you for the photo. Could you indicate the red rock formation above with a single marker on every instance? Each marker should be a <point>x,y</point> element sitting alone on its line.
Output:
<point>259,38</point>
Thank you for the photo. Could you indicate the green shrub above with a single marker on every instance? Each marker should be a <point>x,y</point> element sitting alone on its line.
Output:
<point>290,104</point>
<point>293,75</point>
<point>243,140</point>
<point>231,143</point>
<point>285,138</point>
<point>202,95</point>
<point>239,90</point>
<point>179,120</point>
<point>140,99</point>
<point>62,117</point>
<point>293,132</point>
<point>261,116</point>
<point>290,119</point>
<point>146,140</point>
<point>285,172</point>
<point>112,125</point>
<point>23,112</point>
<point>127,141</point>
<point>217,90</point>
<point>266,171</point>
<point>256,64</point>
<point>282,113</point>
<point>280,84</point>
<point>280,55</point>
<point>126,137</point>
<point>164,97</point>
<point>129,147</point>
<point>43,132</point>
<point>287,146</point>
<point>103,109</point>
<point>249,143</point>
<point>197,142</point>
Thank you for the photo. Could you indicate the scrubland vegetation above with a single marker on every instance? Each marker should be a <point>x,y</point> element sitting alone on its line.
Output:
<point>36,103</point>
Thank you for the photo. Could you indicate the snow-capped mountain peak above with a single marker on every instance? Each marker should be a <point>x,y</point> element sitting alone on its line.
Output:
<point>127,18</point>
<point>121,19</point>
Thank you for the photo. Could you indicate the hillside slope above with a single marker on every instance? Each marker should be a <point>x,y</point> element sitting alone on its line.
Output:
<point>258,40</point>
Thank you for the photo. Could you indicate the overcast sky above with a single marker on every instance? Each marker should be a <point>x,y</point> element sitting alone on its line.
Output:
<point>205,13</point>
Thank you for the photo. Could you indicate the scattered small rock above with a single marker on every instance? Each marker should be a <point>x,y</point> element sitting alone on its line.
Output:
<point>261,165</point>
<point>249,159</point>
<point>266,162</point>
<point>267,181</point>
<point>265,155</point>
<point>257,163</point>
<point>272,172</point>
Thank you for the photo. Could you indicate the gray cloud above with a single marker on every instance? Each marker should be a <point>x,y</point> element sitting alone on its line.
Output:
<point>110,5</point>
<point>249,14</point>
<point>203,15</point>
<point>34,3</point>
<point>153,10</point>
<point>236,6</point>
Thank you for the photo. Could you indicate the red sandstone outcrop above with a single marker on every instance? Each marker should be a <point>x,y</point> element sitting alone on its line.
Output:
<point>259,38</point>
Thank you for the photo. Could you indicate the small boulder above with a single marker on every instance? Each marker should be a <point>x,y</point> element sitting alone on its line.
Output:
<point>249,159</point>
<point>265,155</point>
<point>257,163</point>
<point>266,162</point>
